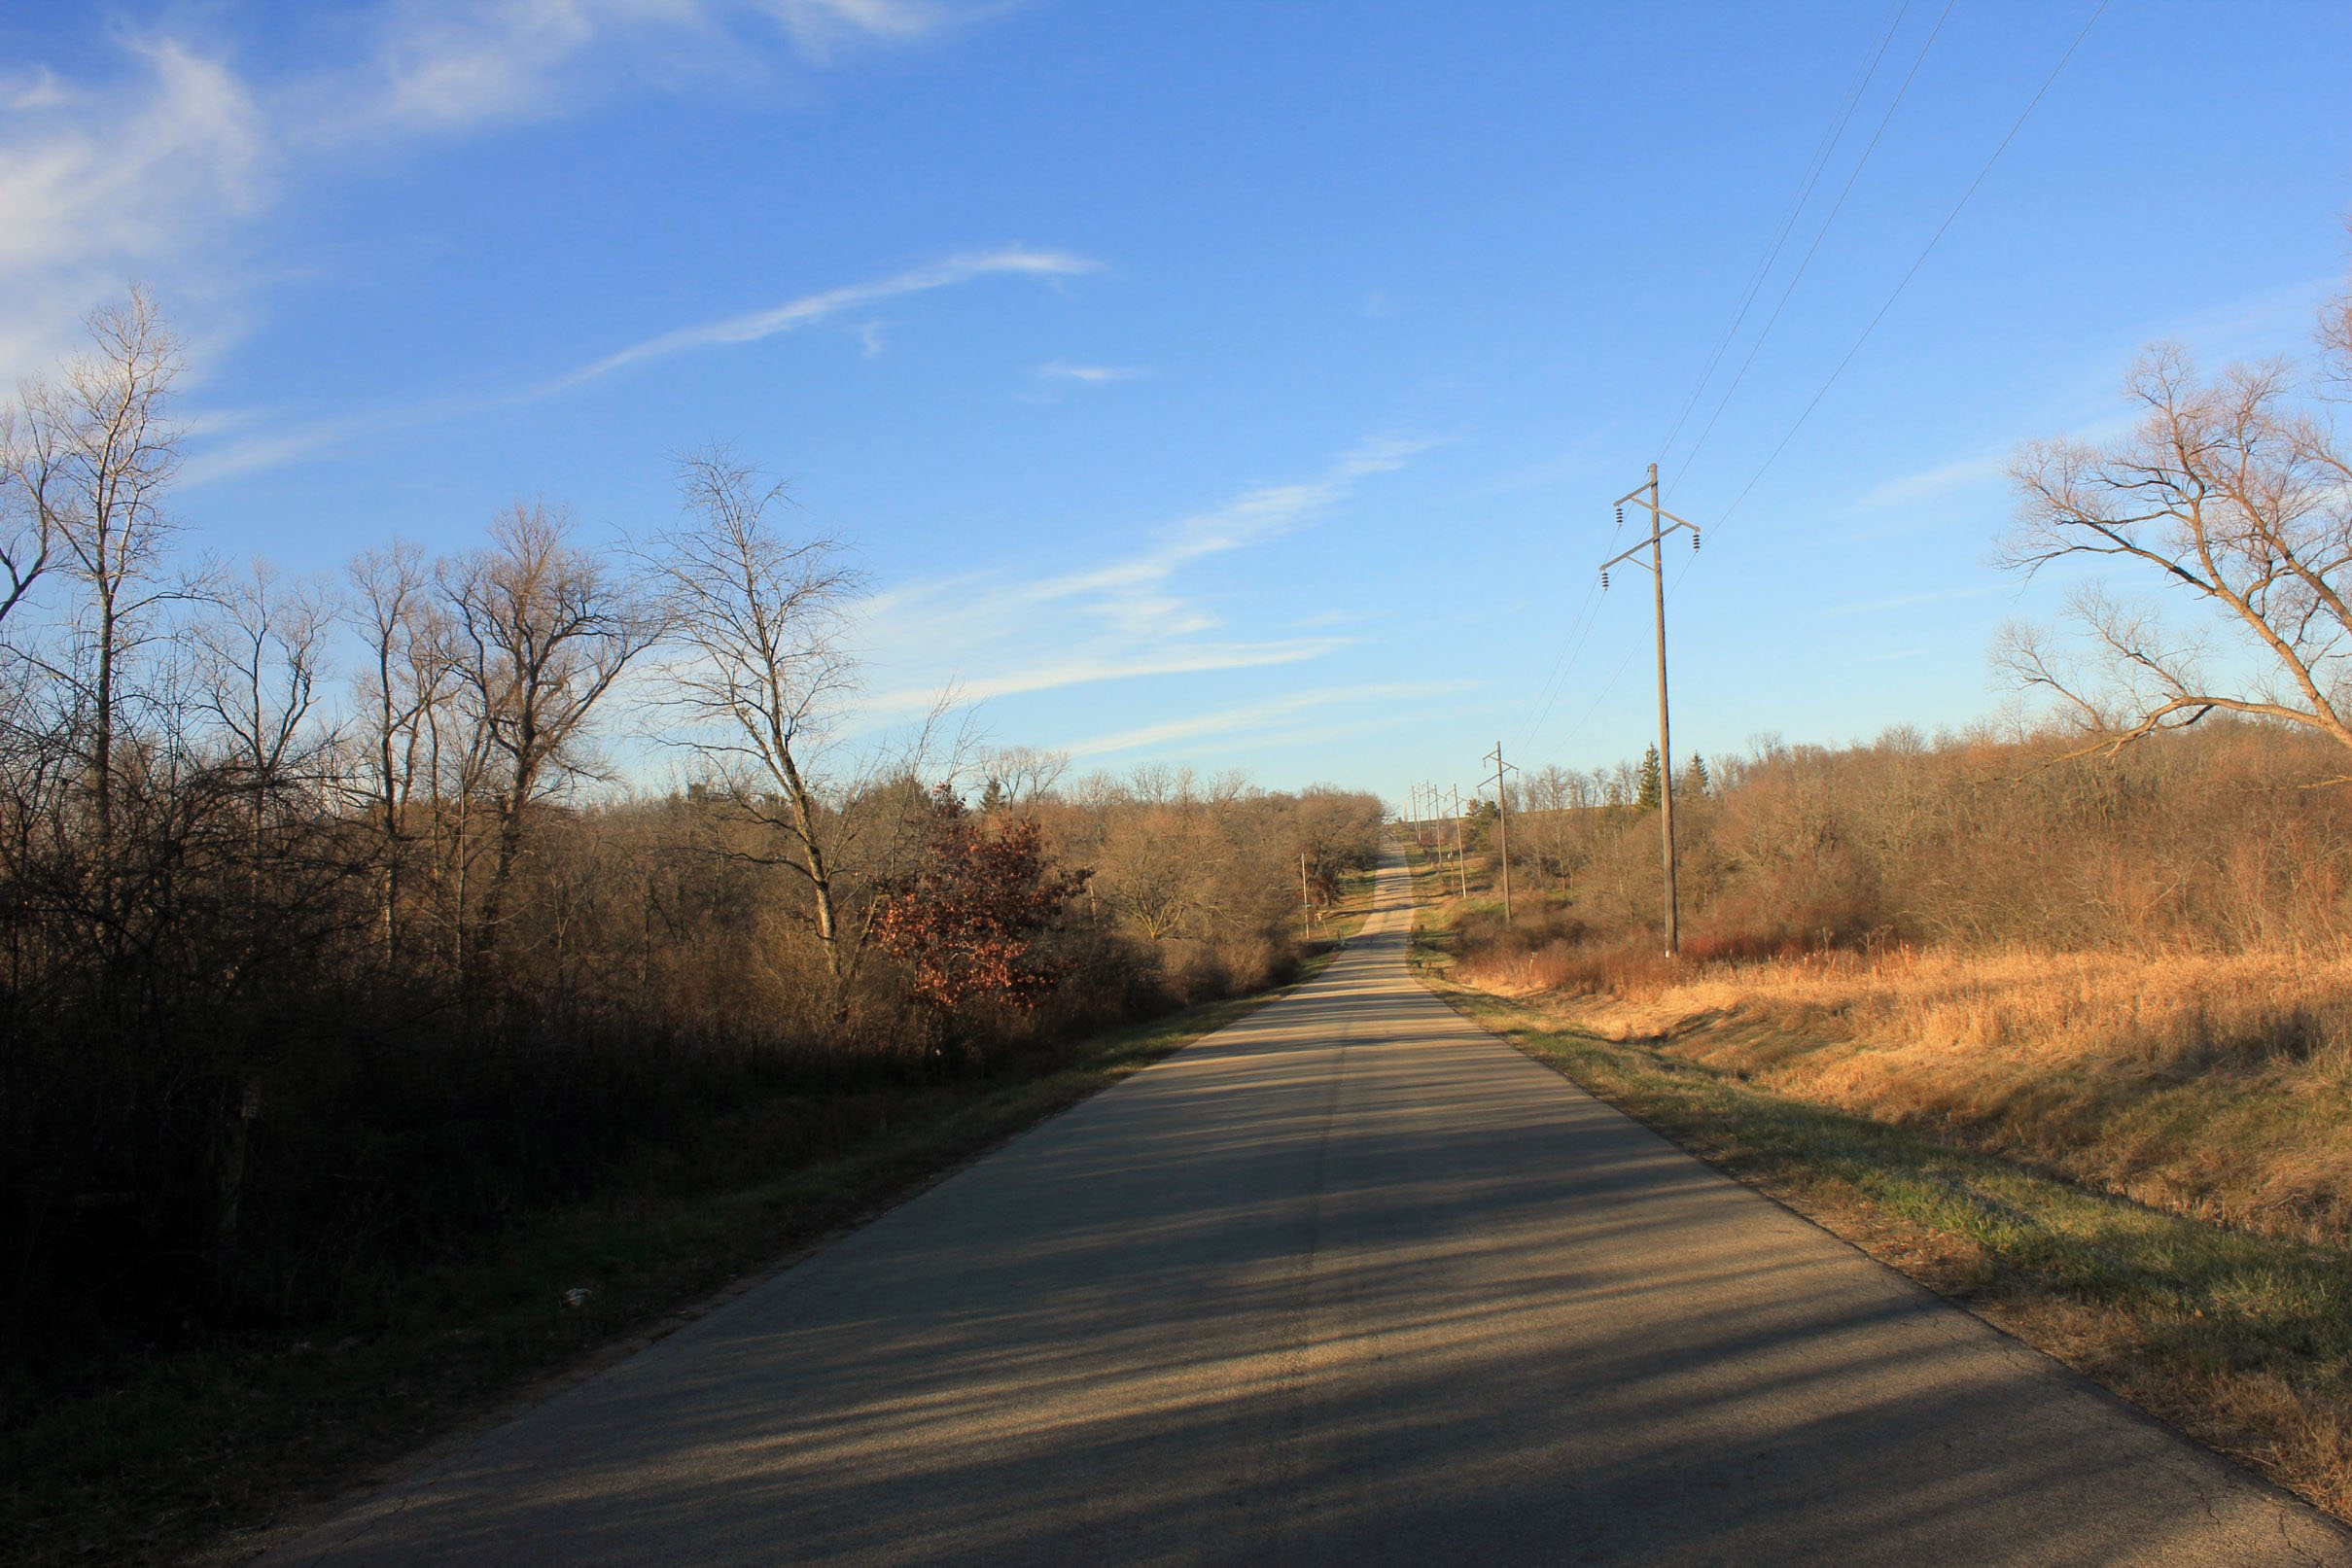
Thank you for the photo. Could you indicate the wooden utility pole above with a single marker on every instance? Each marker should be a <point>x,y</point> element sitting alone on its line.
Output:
<point>1305,904</point>
<point>1662,523</point>
<point>1503,825</point>
<point>1461,866</point>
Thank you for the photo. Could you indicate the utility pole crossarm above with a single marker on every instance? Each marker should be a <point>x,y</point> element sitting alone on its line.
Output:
<point>1669,523</point>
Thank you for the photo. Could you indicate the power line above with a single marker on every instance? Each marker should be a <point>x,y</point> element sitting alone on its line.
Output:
<point>1581,626</point>
<point>1918,262</point>
<point>1691,457</point>
<point>1804,193</point>
<point>1601,696</point>
<point>1615,676</point>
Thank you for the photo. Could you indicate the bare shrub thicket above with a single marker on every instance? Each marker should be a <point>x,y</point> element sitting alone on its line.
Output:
<point>333,932</point>
<point>2210,841</point>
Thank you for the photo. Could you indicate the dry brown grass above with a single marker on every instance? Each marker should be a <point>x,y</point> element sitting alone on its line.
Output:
<point>2217,1085</point>
<point>2241,1341</point>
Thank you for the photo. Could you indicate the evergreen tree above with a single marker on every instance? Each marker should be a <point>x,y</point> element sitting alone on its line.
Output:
<point>1652,790</point>
<point>1696,779</point>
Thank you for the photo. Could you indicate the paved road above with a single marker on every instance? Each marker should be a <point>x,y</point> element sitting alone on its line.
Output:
<point>1348,1282</point>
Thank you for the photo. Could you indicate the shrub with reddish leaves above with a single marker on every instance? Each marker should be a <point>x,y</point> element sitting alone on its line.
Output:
<point>967,922</point>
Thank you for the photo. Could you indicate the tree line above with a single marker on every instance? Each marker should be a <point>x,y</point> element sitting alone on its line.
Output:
<point>330,928</point>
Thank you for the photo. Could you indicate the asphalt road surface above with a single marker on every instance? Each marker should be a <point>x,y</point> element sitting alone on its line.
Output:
<point>1347,1282</point>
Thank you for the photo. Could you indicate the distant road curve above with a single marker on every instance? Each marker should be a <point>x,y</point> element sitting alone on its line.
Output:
<point>1348,1282</point>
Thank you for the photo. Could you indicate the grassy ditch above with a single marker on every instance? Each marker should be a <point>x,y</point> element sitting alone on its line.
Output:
<point>2241,1339</point>
<point>153,1457</point>
<point>2217,1085</point>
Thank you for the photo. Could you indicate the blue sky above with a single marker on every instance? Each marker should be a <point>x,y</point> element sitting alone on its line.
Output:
<point>1236,385</point>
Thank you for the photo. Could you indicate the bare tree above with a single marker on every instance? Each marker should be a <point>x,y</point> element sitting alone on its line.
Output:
<point>1019,775</point>
<point>410,669</point>
<point>455,769</point>
<point>83,460</point>
<point>2234,493</point>
<point>259,652</point>
<point>258,649</point>
<point>759,620</point>
<point>543,632</point>
<point>1155,870</point>
<point>28,519</point>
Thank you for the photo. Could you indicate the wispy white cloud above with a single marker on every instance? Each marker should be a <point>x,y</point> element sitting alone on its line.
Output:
<point>2085,403</point>
<point>34,90</point>
<point>824,27</point>
<point>1091,374</point>
<point>442,67</point>
<point>438,67</point>
<point>1271,510</point>
<point>1253,718</point>
<point>99,183</point>
<point>808,310</point>
<point>285,443</point>
<point>1910,489</point>
<point>275,441</point>
<point>988,636</point>
<point>2267,321</point>
<point>1088,668</point>
<point>160,163</point>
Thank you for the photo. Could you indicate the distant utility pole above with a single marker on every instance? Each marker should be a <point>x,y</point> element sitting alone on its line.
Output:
<point>1305,904</point>
<point>1503,825</point>
<point>1461,866</point>
<point>1662,523</point>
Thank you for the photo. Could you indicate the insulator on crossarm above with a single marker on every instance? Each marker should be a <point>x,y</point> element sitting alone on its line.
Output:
<point>1604,579</point>
<point>1621,514</point>
<point>1694,541</point>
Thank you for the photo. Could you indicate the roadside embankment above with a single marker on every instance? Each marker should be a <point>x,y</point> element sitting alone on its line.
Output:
<point>2215,1086</point>
<point>2138,1166</point>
